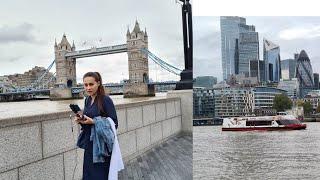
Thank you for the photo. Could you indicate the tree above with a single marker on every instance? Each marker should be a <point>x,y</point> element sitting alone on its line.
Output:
<point>307,108</point>
<point>281,102</point>
<point>300,102</point>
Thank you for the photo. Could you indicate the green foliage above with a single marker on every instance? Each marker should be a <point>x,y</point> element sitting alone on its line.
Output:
<point>281,103</point>
<point>300,102</point>
<point>307,108</point>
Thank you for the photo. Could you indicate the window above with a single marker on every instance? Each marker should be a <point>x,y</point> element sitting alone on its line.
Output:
<point>258,123</point>
<point>287,122</point>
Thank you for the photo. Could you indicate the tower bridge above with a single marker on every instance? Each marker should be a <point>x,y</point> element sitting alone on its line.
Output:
<point>66,55</point>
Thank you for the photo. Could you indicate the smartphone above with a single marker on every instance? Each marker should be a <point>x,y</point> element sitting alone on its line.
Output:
<point>75,108</point>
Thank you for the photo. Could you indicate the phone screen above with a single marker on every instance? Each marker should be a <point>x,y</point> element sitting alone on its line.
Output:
<point>75,108</point>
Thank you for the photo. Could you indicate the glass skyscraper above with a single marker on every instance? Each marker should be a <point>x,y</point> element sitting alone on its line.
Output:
<point>288,69</point>
<point>304,74</point>
<point>291,86</point>
<point>316,80</point>
<point>304,71</point>
<point>248,50</point>
<point>256,69</point>
<point>231,27</point>
<point>271,57</point>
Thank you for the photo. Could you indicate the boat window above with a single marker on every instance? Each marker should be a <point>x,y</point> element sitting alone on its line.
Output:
<point>258,123</point>
<point>287,122</point>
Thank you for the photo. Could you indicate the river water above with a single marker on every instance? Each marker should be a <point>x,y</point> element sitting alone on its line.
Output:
<point>36,107</point>
<point>256,155</point>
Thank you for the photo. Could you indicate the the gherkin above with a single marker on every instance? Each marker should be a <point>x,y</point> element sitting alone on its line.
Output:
<point>304,71</point>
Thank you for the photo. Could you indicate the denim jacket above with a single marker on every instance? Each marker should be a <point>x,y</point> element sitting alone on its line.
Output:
<point>102,137</point>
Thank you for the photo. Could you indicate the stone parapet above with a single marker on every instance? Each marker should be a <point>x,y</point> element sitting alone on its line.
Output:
<point>186,107</point>
<point>43,146</point>
<point>138,90</point>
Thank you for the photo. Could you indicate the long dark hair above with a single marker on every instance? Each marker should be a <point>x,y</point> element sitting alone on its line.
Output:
<point>100,92</point>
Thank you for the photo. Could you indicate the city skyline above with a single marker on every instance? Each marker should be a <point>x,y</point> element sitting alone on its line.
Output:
<point>292,34</point>
<point>27,39</point>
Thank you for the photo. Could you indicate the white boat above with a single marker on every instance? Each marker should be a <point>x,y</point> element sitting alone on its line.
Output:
<point>264,123</point>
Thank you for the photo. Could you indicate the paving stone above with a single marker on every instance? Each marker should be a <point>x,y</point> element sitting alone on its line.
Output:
<point>170,160</point>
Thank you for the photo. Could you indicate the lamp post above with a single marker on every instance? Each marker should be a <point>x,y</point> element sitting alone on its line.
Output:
<point>186,75</point>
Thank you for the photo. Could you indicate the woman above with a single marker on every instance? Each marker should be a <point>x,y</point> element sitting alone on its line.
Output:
<point>96,104</point>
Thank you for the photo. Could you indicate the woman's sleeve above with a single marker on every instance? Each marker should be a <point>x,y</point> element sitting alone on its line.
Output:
<point>83,110</point>
<point>110,110</point>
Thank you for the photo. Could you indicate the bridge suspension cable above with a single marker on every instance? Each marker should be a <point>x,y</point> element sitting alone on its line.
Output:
<point>50,80</point>
<point>170,68</point>
<point>37,81</point>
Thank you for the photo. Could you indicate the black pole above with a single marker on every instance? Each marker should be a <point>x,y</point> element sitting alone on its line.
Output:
<point>190,50</point>
<point>186,75</point>
<point>185,34</point>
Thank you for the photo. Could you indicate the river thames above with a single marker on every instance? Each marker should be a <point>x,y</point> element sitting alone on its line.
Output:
<point>36,107</point>
<point>257,154</point>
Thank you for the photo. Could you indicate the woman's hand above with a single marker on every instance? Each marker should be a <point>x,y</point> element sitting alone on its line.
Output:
<point>87,120</point>
<point>77,119</point>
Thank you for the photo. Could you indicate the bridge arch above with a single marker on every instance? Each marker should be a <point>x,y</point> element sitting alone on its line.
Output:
<point>69,83</point>
<point>145,78</point>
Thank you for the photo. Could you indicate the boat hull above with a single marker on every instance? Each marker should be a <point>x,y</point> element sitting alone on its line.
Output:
<point>288,127</point>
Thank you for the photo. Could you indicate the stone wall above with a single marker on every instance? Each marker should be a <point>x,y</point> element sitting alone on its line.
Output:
<point>43,146</point>
<point>186,98</point>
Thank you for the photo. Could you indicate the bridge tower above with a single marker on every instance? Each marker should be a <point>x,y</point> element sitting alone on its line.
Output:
<point>65,70</point>
<point>137,64</point>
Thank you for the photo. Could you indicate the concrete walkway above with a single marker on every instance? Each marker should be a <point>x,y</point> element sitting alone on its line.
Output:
<point>170,160</point>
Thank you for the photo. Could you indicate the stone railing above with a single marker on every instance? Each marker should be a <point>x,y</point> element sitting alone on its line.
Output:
<point>43,146</point>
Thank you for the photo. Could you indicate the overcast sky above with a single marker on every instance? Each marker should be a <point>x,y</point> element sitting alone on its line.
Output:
<point>292,34</point>
<point>28,30</point>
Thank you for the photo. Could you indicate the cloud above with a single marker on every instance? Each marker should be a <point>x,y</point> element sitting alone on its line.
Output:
<point>207,52</point>
<point>300,33</point>
<point>14,59</point>
<point>108,21</point>
<point>19,33</point>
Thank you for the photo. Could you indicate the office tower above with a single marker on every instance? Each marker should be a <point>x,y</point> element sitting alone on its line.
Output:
<point>232,102</point>
<point>288,69</point>
<point>256,69</point>
<point>271,57</point>
<point>263,99</point>
<point>316,80</point>
<point>231,27</point>
<point>291,86</point>
<point>248,50</point>
<point>304,73</point>
<point>270,71</point>
<point>203,102</point>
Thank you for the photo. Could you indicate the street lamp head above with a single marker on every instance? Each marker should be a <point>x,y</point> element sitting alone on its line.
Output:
<point>184,1</point>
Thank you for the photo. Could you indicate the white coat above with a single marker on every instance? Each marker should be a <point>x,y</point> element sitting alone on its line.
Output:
<point>116,163</point>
